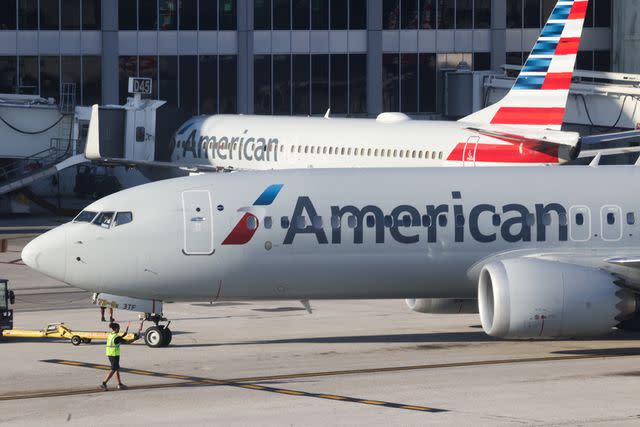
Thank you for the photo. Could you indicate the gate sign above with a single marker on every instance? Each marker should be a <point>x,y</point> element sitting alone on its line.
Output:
<point>140,85</point>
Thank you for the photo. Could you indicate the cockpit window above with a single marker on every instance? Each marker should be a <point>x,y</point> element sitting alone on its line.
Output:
<point>103,219</point>
<point>85,216</point>
<point>123,218</point>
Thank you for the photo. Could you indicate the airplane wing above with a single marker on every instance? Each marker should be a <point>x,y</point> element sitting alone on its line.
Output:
<point>152,163</point>
<point>92,152</point>
<point>608,151</point>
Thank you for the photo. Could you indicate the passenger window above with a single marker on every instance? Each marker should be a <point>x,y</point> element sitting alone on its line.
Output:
<point>355,152</point>
<point>495,219</point>
<point>530,220</point>
<point>312,149</point>
<point>85,216</point>
<point>306,149</point>
<point>335,222</point>
<point>442,221</point>
<point>440,155</point>
<point>103,219</point>
<point>123,218</point>
<point>316,221</point>
<point>268,222</point>
<point>299,149</point>
<point>426,221</point>
<point>324,150</point>
<point>371,221</point>
<point>293,148</point>
<point>301,222</point>
<point>284,222</point>
<point>611,218</point>
<point>579,219</point>
<point>426,155</point>
<point>563,219</point>
<point>369,152</point>
<point>252,223</point>
<point>330,150</point>
<point>348,151</point>
<point>351,221</point>
<point>433,155</point>
<point>342,152</point>
<point>401,153</point>
<point>388,221</point>
<point>631,218</point>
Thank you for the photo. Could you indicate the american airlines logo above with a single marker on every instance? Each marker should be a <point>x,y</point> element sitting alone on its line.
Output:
<point>407,224</point>
<point>244,147</point>
<point>512,222</point>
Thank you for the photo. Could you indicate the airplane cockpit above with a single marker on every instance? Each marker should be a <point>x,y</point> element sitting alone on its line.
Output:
<point>106,219</point>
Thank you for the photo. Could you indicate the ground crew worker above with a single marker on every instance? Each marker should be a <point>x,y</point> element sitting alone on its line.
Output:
<point>113,353</point>
<point>102,310</point>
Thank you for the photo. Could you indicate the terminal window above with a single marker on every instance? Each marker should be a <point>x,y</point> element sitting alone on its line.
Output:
<point>310,84</point>
<point>170,15</point>
<point>432,14</point>
<point>309,14</point>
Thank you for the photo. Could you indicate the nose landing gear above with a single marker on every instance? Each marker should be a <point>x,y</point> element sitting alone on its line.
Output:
<point>157,335</point>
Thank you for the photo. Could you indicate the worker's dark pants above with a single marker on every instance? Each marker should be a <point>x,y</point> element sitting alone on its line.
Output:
<point>115,362</point>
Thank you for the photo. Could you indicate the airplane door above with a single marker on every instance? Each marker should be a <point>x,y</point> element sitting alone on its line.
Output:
<point>469,153</point>
<point>580,223</point>
<point>198,222</point>
<point>611,220</point>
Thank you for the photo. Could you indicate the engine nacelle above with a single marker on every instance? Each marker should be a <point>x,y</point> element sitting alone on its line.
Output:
<point>530,298</point>
<point>443,305</point>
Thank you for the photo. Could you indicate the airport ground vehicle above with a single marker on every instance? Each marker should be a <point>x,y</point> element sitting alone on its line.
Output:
<point>62,331</point>
<point>7,298</point>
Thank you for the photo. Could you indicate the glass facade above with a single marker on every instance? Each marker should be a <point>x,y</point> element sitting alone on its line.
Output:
<point>310,84</point>
<point>310,14</point>
<point>534,13</point>
<point>44,75</point>
<point>320,56</point>
<point>432,14</point>
<point>171,15</point>
<point>205,84</point>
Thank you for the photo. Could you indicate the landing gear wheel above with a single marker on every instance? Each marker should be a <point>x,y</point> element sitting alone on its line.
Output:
<point>167,336</point>
<point>154,337</point>
<point>76,340</point>
<point>86,340</point>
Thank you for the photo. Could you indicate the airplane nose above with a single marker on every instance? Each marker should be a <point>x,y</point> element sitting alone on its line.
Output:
<point>47,254</point>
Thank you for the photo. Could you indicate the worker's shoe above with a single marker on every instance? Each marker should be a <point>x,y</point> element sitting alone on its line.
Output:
<point>103,386</point>
<point>122,387</point>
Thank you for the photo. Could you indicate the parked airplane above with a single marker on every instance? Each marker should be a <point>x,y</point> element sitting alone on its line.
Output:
<point>521,129</point>
<point>548,252</point>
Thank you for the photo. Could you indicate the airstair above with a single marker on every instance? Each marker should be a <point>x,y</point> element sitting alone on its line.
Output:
<point>60,155</point>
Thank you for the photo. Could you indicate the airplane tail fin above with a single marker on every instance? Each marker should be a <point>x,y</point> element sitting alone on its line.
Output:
<point>539,97</point>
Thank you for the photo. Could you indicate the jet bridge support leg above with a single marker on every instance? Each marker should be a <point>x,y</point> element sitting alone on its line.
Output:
<point>158,335</point>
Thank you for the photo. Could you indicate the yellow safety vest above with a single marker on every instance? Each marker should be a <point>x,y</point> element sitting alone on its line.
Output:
<point>113,349</point>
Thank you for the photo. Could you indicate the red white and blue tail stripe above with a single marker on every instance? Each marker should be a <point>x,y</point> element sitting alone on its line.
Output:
<point>539,97</point>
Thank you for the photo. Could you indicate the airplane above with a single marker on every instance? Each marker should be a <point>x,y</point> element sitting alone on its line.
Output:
<point>524,128</point>
<point>546,252</point>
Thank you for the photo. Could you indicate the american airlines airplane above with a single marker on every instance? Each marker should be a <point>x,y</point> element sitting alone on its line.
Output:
<point>547,252</point>
<point>521,129</point>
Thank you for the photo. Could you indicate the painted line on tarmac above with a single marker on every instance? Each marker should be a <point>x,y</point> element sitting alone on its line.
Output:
<point>195,381</point>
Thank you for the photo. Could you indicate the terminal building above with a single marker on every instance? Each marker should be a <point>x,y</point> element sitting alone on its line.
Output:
<point>426,58</point>
<point>359,57</point>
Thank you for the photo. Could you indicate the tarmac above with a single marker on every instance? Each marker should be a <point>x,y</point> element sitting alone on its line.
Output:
<point>272,363</point>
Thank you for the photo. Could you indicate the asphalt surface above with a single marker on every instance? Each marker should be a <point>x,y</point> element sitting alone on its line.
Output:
<point>272,363</point>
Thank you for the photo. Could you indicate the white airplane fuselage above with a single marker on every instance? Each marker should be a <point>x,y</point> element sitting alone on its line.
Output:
<point>274,142</point>
<point>402,233</point>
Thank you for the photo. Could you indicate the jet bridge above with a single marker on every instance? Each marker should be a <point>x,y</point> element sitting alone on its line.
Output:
<point>598,102</point>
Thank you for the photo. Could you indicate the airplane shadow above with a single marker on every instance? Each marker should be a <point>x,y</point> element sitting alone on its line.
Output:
<point>453,337</point>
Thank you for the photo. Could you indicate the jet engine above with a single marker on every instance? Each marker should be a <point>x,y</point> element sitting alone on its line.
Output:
<point>443,305</point>
<point>530,298</point>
